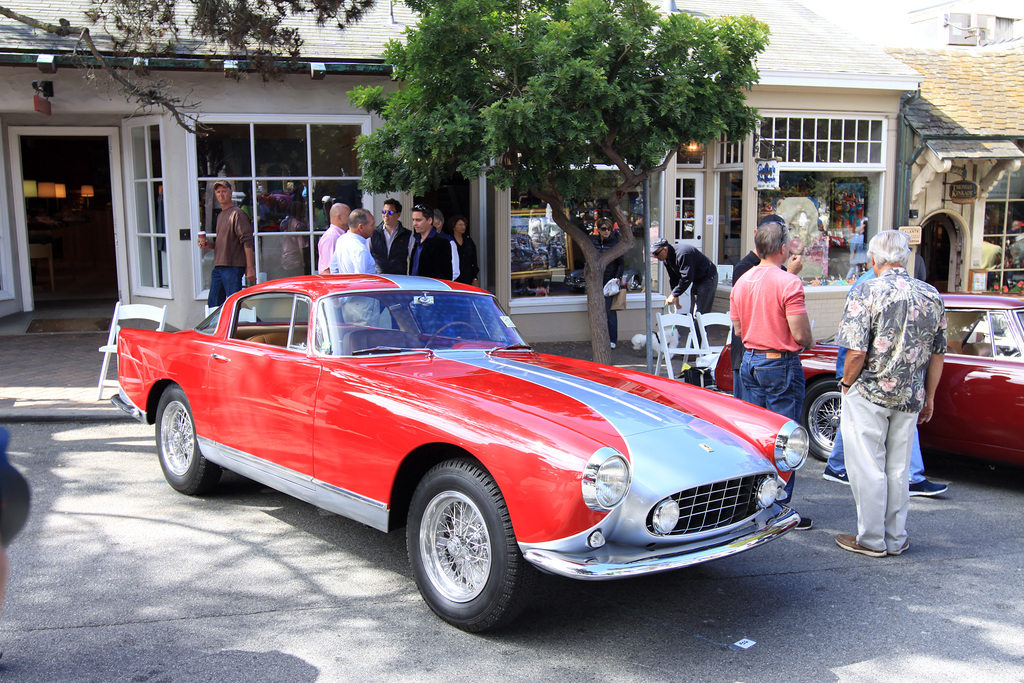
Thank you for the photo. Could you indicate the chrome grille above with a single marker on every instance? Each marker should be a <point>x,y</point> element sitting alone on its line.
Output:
<point>712,506</point>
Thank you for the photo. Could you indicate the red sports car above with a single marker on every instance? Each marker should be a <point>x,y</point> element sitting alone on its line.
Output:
<point>979,404</point>
<point>408,401</point>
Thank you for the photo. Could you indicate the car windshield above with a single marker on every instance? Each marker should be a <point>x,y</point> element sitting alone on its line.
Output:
<point>388,322</point>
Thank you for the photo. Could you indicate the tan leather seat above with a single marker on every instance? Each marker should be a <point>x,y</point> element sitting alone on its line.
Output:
<point>272,338</point>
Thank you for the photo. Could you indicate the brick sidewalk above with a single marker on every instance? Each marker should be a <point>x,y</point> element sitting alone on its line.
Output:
<point>47,377</point>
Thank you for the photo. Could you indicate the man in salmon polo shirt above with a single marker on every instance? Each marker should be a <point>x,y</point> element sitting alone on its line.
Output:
<point>768,313</point>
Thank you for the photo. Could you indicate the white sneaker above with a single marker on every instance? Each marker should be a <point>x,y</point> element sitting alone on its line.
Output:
<point>613,345</point>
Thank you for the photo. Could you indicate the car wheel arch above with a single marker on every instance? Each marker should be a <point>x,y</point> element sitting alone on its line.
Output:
<point>412,470</point>
<point>156,392</point>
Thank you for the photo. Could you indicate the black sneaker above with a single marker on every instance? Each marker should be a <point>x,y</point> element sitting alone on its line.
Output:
<point>838,477</point>
<point>804,524</point>
<point>927,488</point>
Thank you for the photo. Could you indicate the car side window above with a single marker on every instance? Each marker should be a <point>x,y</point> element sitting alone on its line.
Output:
<point>1002,337</point>
<point>272,318</point>
<point>967,333</point>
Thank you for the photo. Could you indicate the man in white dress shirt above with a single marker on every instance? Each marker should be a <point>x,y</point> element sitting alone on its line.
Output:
<point>352,252</point>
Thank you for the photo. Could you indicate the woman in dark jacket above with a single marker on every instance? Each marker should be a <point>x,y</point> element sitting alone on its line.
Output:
<point>457,228</point>
<point>604,240</point>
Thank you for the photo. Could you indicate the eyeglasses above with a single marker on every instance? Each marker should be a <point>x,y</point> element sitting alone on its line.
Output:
<point>604,229</point>
<point>425,210</point>
<point>387,212</point>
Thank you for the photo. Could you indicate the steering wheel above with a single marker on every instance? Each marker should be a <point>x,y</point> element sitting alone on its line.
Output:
<point>444,327</point>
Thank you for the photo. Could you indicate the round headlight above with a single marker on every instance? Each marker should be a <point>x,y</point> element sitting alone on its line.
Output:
<point>791,447</point>
<point>767,492</point>
<point>606,479</point>
<point>665,516</point>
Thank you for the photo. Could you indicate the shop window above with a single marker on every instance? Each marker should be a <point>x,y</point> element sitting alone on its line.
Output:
<point>1003,246</point>
<point>546,262</point>
<point>150,265</point>
<point>821,141</point>
<point>285,176</point>
<point>823,211</point>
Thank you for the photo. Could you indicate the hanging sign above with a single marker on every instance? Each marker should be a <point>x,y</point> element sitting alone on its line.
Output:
<point>768,175</point>
<point>963,192</point>
<point>42,105</point>
<point>913,233</point>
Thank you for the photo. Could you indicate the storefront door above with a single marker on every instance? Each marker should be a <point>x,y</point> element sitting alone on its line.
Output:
<point>67,203</point>
<point>688,225</point>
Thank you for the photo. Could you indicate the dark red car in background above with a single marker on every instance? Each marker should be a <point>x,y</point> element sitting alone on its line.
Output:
<point>979,405</point>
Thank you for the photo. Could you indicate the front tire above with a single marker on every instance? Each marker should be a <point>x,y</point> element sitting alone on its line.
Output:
<point>184,466</point>
<point>823,404</point>
<point>463,551</point>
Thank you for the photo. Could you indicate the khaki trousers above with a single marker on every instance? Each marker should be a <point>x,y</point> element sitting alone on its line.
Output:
<point>877,442</point>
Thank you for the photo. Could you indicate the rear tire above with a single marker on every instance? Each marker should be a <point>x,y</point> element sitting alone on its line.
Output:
<point>823,404</point>
<point>463,551</point>
<point>184,466</point>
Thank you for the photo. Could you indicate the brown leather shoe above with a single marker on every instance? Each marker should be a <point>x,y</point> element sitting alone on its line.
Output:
<point>849,542</point>
<point>906,544</point>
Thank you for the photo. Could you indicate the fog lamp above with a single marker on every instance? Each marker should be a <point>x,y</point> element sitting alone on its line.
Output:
<point>767,491</point>
<point>666,516</point>
<point>596,539</point>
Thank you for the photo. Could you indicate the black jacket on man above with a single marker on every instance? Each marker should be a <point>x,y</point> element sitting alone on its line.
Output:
<point>686,265</point>
<point>435,257</point>
<point>395,261</point>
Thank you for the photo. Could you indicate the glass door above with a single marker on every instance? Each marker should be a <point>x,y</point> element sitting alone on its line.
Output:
<point>689,210</point>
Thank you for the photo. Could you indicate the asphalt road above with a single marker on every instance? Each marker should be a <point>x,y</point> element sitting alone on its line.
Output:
<point>119,578</point>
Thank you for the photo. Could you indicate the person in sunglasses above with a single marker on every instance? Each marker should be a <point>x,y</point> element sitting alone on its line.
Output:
<point>430,254</point>
<point>389,243</point>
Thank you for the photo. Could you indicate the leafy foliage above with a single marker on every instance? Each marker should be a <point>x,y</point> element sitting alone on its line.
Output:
<point>539,92</point>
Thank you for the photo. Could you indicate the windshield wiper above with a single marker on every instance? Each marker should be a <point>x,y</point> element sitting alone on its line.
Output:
<point>388,349</point>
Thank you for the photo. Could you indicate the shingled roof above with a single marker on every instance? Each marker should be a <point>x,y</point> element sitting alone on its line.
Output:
<point>801,42</point>
<point>968,92</point>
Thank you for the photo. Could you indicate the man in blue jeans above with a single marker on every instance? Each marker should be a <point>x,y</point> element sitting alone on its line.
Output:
<point>835,470</point>
<point>768,311</point>
<point>233,250</point>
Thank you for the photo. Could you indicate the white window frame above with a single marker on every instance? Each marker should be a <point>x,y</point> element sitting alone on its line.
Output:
<point>829,165</point>
<point>133,253</point>
<point>6,252</point>
<point>192,155</point>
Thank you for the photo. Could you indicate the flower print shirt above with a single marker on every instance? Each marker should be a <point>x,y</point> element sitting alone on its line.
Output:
<point>900,322</point>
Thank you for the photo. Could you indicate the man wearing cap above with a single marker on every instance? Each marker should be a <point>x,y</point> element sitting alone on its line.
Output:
<point>233,251</point>
<point>768,311</point>
<point>686,265</point>
<point>329,240</point>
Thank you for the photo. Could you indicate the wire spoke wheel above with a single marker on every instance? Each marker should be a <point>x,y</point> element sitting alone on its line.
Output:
<point>455,546</point>
<point>177,438</point>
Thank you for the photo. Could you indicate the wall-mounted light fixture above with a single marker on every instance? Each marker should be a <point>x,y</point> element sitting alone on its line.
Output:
<point>30,188</point>
<point>46,64</point>
<point>230,68</point>
<point>317,70</point>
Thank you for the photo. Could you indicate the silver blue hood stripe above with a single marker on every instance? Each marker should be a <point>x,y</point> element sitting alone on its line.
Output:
<point>425,284</point>
<point>627,413</point>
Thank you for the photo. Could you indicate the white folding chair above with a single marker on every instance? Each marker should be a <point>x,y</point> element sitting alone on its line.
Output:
<point>675,323</point>
<point>720,325</point>
<point>157,314</point>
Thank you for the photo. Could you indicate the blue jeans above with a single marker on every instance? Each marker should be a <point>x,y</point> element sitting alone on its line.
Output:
<point>224,281</point>
<point>776,384</point>
<point>613,320</point>
<point>837,460</point>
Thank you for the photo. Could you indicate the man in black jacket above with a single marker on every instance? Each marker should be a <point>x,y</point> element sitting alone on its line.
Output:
<point>389,243</point>
<point>686,265</point>
<point>431,252</point>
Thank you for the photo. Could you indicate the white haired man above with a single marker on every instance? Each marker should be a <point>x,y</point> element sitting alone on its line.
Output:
<point>895,329</point>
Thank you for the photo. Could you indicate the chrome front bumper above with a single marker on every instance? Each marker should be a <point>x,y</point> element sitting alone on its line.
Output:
<point>590,567</point>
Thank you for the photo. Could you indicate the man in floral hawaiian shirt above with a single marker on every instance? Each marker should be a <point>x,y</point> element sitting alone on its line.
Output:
<point>895,327</point>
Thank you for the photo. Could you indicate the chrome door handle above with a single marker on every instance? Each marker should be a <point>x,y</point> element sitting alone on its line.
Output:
<point>217,356</point>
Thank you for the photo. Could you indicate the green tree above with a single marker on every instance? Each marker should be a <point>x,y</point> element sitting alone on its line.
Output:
<point>537,93</point>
